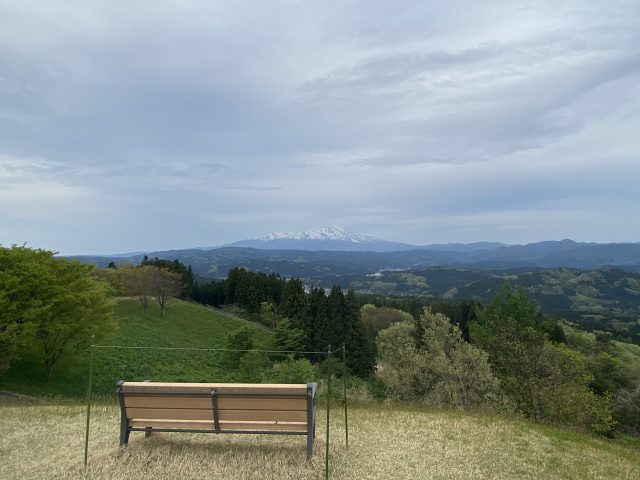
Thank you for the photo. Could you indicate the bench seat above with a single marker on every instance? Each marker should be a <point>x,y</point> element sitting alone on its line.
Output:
<point>286,409</point>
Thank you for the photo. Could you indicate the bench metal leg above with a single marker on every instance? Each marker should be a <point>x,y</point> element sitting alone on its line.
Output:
<point>147,432</point>
<point>124,434</point>
<point>309,445</point>
<point>124,424</point>
<point>311,424</point>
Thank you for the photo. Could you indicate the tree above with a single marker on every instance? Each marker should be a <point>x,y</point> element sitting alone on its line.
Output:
<point>317,337</point>
<point>336,310</point>
<point>78,308</point>
<point>429,360</point>
<point>294,304</point>
<point>138,282</point>
<point>164,286</point>
<point>175,266</point>
<point>237,343</point>
<point>376,319</point>
<point>24,277</point>
<point>51,304</point>
<point>546,381</point>
<point>293,370</point>
<point>287,338</point>
<point>360,357</point>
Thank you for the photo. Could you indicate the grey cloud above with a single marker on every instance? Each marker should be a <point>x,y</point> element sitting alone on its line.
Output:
<point>411,117</point>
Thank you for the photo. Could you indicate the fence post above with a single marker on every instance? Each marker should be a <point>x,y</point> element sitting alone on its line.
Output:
<point>86,434</point>
<point>326,458</point>
<point>344,381</point>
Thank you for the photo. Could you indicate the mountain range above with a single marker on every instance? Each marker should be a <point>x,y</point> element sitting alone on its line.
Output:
<point>596,285</point>
<point>335,239</point>
<point>328,252</point>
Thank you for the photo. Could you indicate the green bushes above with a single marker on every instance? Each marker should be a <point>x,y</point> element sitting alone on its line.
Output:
<point>429,361</point>
<point>512,363</point>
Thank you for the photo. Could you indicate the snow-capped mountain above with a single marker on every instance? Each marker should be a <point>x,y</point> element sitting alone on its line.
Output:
<point>322,238</point>
<point>320,233</point>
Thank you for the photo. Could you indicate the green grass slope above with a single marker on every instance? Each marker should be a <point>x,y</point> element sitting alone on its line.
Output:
<point>184,325</point>
<point>384,443</point>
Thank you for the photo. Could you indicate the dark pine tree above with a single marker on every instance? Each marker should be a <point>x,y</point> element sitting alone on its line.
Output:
<point>316,328</point>
<point>360,353</point>
<point>294,304</point>
<point>336,311</point>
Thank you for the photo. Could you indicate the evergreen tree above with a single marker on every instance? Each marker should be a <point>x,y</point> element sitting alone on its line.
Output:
<point>294,304</point>
<point>316,329</point>
<point>336,312</point>
<point>360,359</point>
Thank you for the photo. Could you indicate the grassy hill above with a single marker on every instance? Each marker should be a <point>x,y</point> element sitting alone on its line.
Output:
<point>385,442</point>
<point>184,325</point>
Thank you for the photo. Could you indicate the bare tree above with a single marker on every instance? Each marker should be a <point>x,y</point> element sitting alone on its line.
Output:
<point>139,282</point>
<point>165,285</point>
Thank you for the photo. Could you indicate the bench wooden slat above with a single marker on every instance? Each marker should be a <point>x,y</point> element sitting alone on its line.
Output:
<point>256,415</point>
<point>171,413</point>
<point>225,415</point>
<point>224,403</point>
<point>223,388</point>
<point>224,425</point>
<point>168,402</point>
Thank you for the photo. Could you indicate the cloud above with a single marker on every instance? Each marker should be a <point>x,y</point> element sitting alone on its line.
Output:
<point>417,122</point>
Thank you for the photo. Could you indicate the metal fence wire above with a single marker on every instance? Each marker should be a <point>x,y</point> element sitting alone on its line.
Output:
<point>208,357</point>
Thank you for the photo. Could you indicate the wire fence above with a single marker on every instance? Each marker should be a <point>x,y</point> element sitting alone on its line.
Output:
<point>187,364</point>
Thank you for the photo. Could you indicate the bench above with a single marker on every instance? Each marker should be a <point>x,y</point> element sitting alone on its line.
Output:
<point>280,409</point>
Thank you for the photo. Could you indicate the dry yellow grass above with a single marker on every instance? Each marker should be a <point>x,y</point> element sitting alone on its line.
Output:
<point>46,442</point>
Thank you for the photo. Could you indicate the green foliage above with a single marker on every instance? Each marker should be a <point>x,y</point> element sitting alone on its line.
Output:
<point>627,410</point>
<point>78,310</point>
<point>294,304</point>
<point>546,381</point>
<point>360,356</point>
<point>237,343</point>
<point>184,325</point>
<point>376,319</point>
<point>378,389</point>
<point>252,369</point>
<point>288,338</point>
<point>293,370</point>
<point>52,305</point>
<point>317,333</point>
<point>174,266</point>
<point>24,274</point>
<point>428,360</point>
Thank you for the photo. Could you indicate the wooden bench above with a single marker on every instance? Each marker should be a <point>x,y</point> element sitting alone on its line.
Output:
<point>280,409</point>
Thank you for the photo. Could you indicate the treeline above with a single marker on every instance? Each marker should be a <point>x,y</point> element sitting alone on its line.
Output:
<point>515,360</point>
<point>323,319</point>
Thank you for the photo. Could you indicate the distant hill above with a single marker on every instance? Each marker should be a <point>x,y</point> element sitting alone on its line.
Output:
<point>604,299</point>
<point>325,265</point>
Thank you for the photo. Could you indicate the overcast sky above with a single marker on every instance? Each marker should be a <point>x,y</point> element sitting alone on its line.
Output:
<point>147,125</point>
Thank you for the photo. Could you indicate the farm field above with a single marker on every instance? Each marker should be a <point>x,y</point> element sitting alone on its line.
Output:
<point>44,439</point>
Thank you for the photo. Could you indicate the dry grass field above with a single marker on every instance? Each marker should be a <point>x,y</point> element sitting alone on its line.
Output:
<point>45,441</point>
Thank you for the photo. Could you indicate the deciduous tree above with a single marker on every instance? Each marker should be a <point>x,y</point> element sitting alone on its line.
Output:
<point>52,304</point>
<point>165,285</point>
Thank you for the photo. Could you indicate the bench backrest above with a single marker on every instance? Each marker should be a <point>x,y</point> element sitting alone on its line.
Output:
<point>218,406</point>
